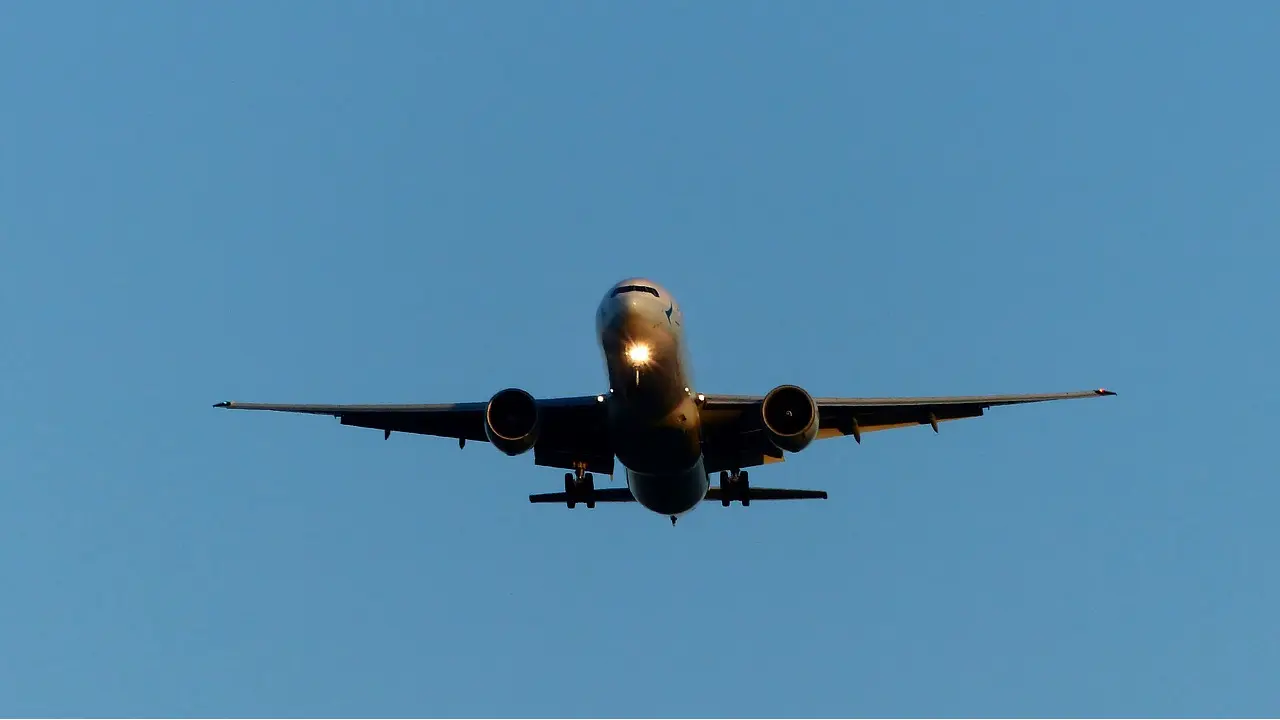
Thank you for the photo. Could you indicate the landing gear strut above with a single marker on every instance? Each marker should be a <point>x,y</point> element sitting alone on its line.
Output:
<point>735,485</point>
<point>580,485</point>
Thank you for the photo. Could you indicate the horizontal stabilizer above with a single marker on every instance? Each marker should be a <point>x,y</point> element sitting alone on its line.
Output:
<point>756,493</point>
<point>606,495</point>
<point>622,495</point>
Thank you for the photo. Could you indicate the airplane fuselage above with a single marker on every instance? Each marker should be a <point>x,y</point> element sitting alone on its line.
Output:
<point>652,407</point>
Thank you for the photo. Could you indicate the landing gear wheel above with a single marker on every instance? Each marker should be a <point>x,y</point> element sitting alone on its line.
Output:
<point>726,489</point>
<point>588,490</point>
<point>744,488</point>
<point>569,491</point>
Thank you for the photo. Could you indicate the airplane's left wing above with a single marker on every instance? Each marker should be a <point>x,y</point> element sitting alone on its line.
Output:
<point>736,438</point>
<point>572,430</point>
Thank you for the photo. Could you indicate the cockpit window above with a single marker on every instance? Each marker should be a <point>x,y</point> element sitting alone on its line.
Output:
<point>633,288</point>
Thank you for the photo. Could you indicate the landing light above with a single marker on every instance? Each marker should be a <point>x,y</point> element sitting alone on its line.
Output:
<point>638,354</point>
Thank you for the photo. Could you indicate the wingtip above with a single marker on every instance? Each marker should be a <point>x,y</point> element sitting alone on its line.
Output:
<point>226,404</point>
<point>1103,391</point>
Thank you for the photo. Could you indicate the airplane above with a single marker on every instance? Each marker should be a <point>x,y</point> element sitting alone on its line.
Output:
<point>668,437</point>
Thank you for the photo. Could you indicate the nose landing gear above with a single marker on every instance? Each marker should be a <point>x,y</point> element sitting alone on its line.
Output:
<point>580,486</point>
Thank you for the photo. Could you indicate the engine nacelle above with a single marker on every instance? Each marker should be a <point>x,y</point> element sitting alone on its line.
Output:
<point>511,421</point>
<point>790,418</point>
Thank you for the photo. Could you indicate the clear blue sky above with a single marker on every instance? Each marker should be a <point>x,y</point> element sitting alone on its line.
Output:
<point>394,202</point>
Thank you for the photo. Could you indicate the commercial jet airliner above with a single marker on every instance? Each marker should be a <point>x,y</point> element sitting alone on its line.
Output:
<point>668,437</point>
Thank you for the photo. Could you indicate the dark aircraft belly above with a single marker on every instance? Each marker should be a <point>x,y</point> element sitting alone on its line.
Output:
<point>664,444</point>
<point>663,457</point>
<point>670,494</point>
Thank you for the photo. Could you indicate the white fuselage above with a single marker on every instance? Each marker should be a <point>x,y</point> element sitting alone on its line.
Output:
<point>653,413</point>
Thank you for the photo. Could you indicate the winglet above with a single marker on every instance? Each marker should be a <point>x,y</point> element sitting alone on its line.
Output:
<point>1103,391</point>
<point>226,404</point>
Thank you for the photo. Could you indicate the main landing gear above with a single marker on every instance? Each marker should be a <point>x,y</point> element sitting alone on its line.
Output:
<point>735,485</point>
<point>580,486</point>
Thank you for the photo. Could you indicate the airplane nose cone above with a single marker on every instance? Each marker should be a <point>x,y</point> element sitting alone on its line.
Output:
<point>634,311</point>
<point>636,315</point>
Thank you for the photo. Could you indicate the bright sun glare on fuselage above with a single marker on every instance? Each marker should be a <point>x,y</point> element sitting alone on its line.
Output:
<point>638,354</point>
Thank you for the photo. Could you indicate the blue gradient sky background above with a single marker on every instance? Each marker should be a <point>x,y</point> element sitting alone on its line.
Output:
<point>381,202</point>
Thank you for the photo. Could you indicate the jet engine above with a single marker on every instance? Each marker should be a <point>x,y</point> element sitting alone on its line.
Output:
<point>790,418</point>
<point>511,421</point>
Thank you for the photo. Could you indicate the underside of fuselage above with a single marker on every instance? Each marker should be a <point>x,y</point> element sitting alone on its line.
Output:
<point>670,494</point>
<point>653,417</point>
